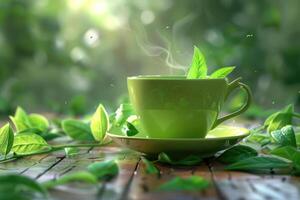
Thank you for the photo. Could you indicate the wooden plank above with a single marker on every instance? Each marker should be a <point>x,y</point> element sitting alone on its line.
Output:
<point>241,185</point>
<point>144,185</point>
<point>107,190</point>
<point>21,165</point>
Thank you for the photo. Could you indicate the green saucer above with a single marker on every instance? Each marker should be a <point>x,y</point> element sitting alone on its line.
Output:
<point>216,140</point>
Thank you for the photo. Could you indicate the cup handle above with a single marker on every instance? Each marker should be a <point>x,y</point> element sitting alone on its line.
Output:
<point>232,86</point>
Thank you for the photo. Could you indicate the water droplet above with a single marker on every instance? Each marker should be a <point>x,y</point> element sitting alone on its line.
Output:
<point>273,102</point>
<point>167,27</point>
<point>249,35</point>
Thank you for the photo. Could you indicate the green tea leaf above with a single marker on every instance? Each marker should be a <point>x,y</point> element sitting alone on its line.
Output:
<point>192,183</point>
<point>39,122</point>
<point>122,113</point>
<point>130,129</point>
<point>71,151</point>
<point>222,72</point>
<point>259,163</point>
<point>290,153</point>
<point>280,119</point>
<point>77,130</point>
<point>237,153</point>
<point>198,68</point>
<point>285,136</point>
<point>287,152</point>
<point>6,139</point>
<point>188,161</point>
<point>99,123</point>
<point>28,143</point>
<point>80,176</point>
<point>16,185</point>
<point>261,138</point>
<point>105,169</point>
<point>150,167</point>
<point>20,120</point>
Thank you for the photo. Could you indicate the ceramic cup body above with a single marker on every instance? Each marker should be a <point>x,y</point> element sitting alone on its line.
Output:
<point>176,107</point>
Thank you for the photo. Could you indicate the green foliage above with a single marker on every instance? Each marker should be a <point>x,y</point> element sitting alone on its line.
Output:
<point>192,183</point>
<point>71,151</point>
<point>28,143</point>
<point>222,72</point>
<point>6,139</point>
<point>104,170</point>
<point>198,69</point>
<point>150,167</point>
<point>39,122</point>
<point>34,122</point>
<point>77,130</point>
<point>237,153</point>
<point>80,176</point>
<point>285,136</point>
<point>99,123</point>
<point>122,113</point>
<point>13,186</point>
<point>280,119</point>
<point>188,161</point>
<point>259,164</point>
<point>129,129</point>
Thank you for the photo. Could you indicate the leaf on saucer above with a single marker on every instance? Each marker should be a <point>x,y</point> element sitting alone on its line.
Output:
<point>237,153</point>
<point>187,161</point>
<point>129,129</point>
<point>192,183</point>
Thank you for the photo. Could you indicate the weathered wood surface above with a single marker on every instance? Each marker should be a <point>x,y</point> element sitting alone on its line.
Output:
<point>133,183</point>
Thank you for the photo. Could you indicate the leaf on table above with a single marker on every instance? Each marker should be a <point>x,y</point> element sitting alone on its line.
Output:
<point>150,167</point>
<point>71,151</point>
<point>80,176</point>
<point>291,153</point>
<point>129,129</point>
<point>258,137</point>
<point>237,153</point>
<point>28,143</point>
<point>198,68</point>
<point>99,123</point>
<point>287,152</point>
<point>285,136</point>
<point>188,161</point>
<point>20,119</point>
<point>222,72</point>
<point>6,139</point>
<point>14,186</point>
<point>259,163</point>
<point>104,169</point>
<point>280,119</point>
<point>39,122</point>
<point>192,183</point>
<point>77,130</point>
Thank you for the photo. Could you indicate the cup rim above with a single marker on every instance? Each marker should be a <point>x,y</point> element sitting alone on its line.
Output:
<point>169,78</point>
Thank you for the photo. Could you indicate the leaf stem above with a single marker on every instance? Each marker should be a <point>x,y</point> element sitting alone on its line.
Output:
<point>54,148</point>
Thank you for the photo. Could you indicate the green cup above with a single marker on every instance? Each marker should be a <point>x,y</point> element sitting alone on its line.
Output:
<point>176,107</point>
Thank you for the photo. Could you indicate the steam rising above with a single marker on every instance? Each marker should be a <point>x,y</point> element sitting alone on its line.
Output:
<point>165,52</point>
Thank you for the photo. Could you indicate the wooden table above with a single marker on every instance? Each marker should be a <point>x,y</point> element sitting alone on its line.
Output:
<point>133,183</point>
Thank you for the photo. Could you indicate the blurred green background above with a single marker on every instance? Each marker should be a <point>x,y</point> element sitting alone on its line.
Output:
<point>66,56</point>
